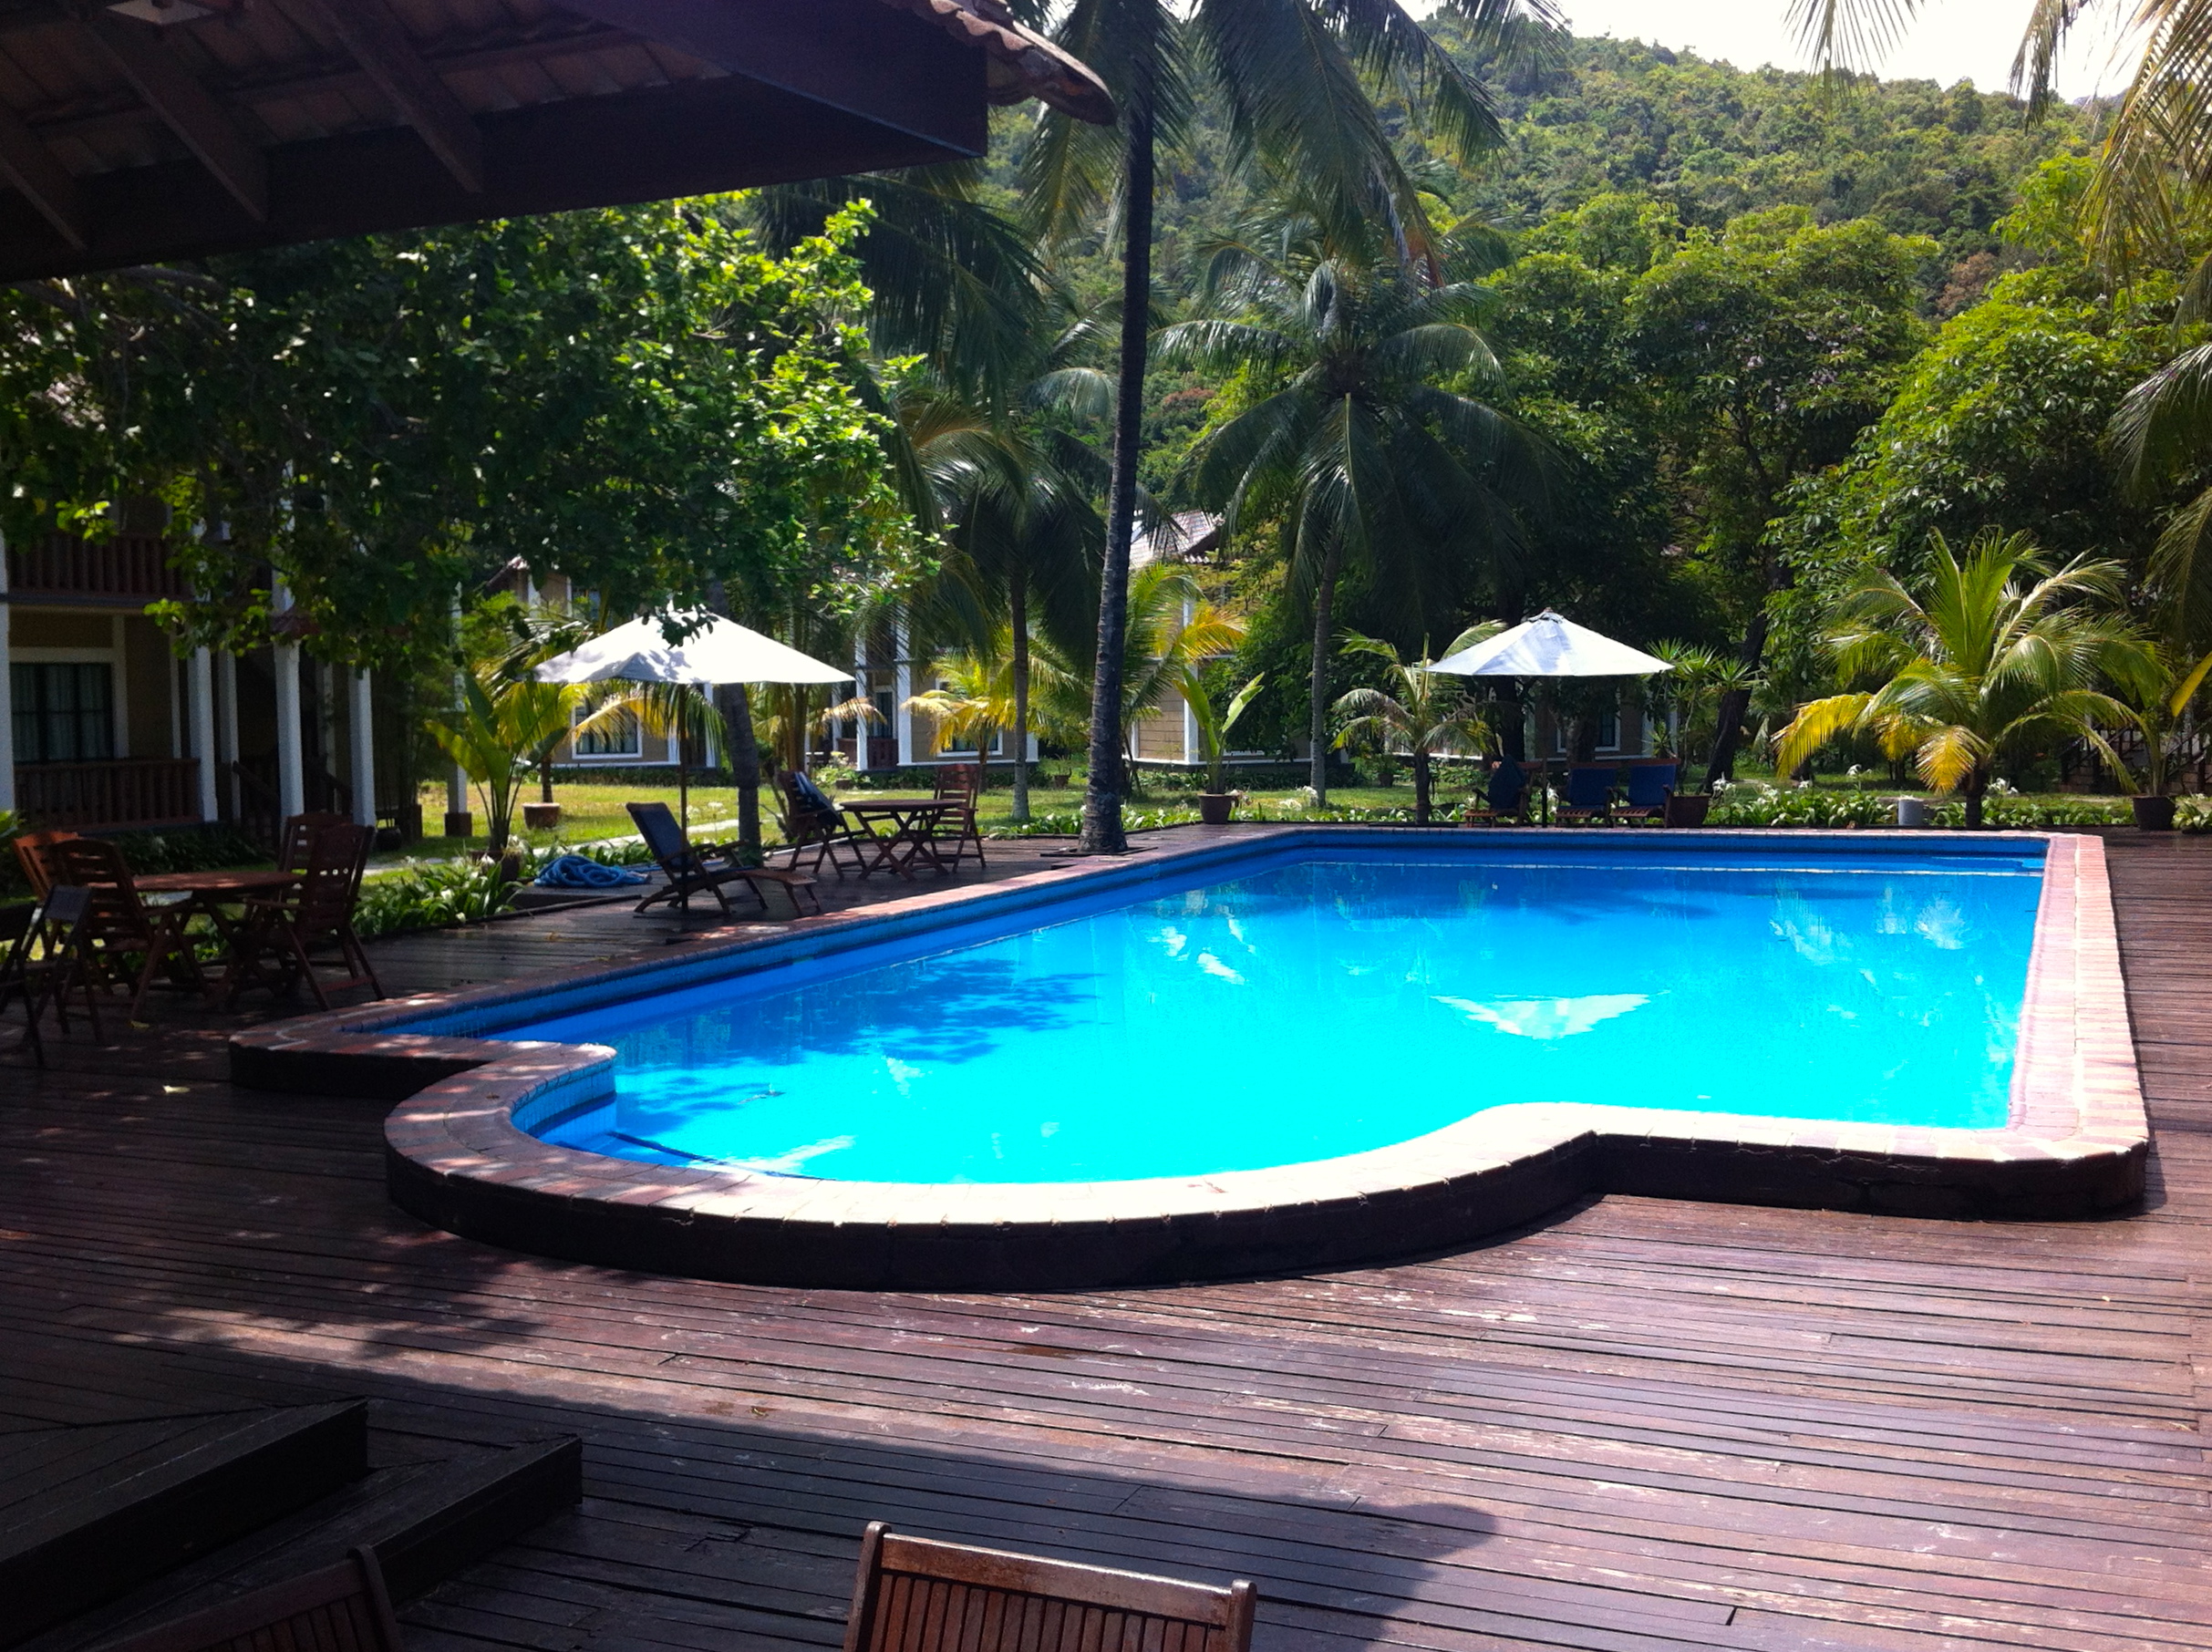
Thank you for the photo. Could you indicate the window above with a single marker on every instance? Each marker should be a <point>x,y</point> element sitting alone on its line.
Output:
<point>614,735</point>
<point>64,714</point>
<point>1609,731</point>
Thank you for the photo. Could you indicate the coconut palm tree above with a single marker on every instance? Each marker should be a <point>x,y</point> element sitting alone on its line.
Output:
<point>1160,650</point>
<point>1428,715</point>
<point>1296,78</point>
<point>1348,440</point>
<point>1997,652</point>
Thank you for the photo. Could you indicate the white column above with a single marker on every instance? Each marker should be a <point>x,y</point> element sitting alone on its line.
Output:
<point>860,692</point>
<point>291,761</point>
<point>456,777</point>
<point>7,702</point>
<point>200,697</point>
<point>1189,718</point>
<point>226,726</point>
<point>902,691</point>
<point>361,747</point>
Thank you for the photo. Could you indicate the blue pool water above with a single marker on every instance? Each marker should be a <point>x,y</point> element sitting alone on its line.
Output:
<point>1329,1000</point>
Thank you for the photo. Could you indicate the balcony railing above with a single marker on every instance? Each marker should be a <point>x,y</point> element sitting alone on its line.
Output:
<point>128,791</point>
<point>131,569</point>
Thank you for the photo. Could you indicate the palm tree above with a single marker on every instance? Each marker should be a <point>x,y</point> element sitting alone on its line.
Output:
<point>1998,651</point>
<point>1428,716</point>
<point>1160,650</point>
<point>1295,77</point>
<point>1348,441</point>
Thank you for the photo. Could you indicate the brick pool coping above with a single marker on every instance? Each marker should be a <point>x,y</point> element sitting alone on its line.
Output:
<point>2077,1143</point>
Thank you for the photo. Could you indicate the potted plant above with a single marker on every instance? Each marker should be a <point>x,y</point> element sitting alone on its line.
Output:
<point>1213,722</point>
<point>2158,698</point>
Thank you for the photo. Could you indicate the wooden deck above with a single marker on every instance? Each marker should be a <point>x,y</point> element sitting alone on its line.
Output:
<point>1641,1425</point>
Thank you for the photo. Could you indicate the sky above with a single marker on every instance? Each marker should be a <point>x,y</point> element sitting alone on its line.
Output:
<point>1949,41</point>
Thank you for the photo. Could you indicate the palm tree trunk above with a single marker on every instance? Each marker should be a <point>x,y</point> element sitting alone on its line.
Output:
<point>1102,794</point>
<point>1421,787</point>
<point>1324,615</point>
<point>744,759</point>
<point>1018,601</point>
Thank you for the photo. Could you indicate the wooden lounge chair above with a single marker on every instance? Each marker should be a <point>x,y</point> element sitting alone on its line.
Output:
<point>1506,798</point>
<point>122,920</point>
<point>340,1608</point>
<point>809,827</point>
<point>1649,786</point>
<point>274,945</point>
<point>964,785</point>
<point>43,952</point>
<point>914,1594</point>
<point>707,868</point>
<point>1589,793</point>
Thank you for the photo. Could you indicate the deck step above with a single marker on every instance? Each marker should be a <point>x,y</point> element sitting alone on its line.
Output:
<point>426,1519</point>
<point>90,1514</point>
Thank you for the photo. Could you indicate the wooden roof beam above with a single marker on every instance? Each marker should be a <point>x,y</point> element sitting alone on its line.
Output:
<point>190,111</point>
<point>379,44</point>
<point>31,167</point>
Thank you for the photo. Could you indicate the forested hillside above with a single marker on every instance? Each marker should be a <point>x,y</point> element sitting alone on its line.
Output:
<point>1764,331</point>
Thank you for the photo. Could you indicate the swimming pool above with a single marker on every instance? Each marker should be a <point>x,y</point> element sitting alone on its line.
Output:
<point>1327,1000</point>
<point>1389,1041</point>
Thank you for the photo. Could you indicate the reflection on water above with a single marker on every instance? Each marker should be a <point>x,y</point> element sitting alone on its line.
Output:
<point>1328,1005</point>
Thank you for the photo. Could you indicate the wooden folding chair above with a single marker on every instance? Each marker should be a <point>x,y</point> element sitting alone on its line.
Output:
<point>275,945</point>
<point>43,954</point>
<point>122,920</point>
<point>295,840</point>
<point>963,785</point>
<point>340,1608</point>
<point>914,1594</point>
<point>809,826</point>
<point>31,855</point>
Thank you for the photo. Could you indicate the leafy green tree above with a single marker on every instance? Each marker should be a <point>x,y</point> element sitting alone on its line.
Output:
<point>1998,651</point>
<point>1345,437</point>
<point>1770,347</point>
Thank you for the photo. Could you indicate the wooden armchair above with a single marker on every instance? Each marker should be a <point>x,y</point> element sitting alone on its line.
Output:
<point>123,921</point>
<point>914,1594</point>
<point>275,945</point>
<point>340,1608</point>
<point>295,840</point>
<point>964,785</point>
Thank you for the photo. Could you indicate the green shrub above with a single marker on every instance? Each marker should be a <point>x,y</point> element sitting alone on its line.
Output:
<point>431,894</point>
<point>1756,803</point>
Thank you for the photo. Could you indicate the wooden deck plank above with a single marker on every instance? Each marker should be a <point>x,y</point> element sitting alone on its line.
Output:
<point>1640,1425</point>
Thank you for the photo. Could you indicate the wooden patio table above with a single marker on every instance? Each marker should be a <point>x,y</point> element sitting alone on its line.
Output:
<point>211,892</point>
<point>913,827</point>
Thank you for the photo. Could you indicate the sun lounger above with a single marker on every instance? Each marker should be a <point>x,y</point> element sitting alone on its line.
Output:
<point>707,868</point>
<point>1506,798</point>
<point>1589,793</point>
<point>1649,786</point>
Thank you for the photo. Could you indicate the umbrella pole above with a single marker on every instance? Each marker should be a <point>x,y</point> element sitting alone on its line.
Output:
<point>683,777</point>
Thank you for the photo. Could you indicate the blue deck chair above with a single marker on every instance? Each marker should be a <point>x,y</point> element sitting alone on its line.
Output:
<point>1589,793</point>
<point>1506,799</point>
<point>1649,786</point>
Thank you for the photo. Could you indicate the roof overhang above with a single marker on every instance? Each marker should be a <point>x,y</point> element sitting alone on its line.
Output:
<point>130,142</point>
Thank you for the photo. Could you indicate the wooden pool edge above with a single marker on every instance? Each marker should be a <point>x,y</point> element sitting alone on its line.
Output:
<point>2077,1144</point>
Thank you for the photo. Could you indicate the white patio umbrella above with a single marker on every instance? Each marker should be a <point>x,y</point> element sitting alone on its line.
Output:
<point>714,650</point>
<point>1550,645</point>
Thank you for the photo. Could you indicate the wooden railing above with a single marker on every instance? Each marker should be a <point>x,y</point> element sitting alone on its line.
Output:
<point>130,792</point>
<point>130,567</point>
